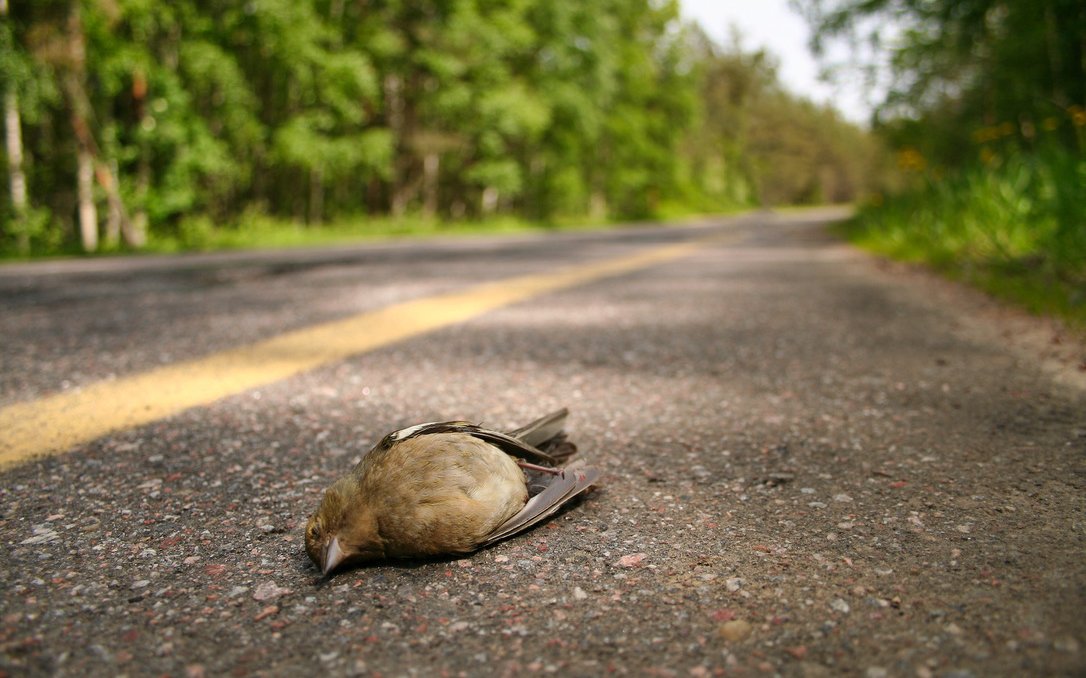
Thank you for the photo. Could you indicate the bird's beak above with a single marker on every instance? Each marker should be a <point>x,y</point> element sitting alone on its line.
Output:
<point>333,556</point>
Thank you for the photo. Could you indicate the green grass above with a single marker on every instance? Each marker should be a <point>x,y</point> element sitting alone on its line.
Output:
<point>1015,228</point>
<point>257,231</point>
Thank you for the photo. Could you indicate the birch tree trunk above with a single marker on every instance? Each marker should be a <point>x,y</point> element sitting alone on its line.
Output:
<point>88,211</point>
<point>430,165</point>
<point>89,164</point>
<point>138,236</point>
<point>13,138</point>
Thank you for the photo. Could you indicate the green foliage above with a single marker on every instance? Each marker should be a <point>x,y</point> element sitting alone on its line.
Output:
<point>1013,227</point>
<point>757,143</point>
<point>21,74</point>
<point>953,67</point>
<point>987,112</point>
<point>315,111</point>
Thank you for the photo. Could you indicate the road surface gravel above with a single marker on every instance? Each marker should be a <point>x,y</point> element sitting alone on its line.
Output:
<point>815,464</point>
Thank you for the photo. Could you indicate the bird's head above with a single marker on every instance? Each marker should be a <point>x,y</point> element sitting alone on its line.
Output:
<point>342,531</point>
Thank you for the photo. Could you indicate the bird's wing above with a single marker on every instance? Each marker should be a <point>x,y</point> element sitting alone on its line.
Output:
<point>570,482</point>
<point>503,441</point>
<point>512,446</point>
<point>421,430</point>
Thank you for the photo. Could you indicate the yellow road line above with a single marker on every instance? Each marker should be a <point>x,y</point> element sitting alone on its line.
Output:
<point>55,424</point>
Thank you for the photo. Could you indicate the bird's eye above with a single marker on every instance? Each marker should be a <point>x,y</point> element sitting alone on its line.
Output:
<point>315,530</point>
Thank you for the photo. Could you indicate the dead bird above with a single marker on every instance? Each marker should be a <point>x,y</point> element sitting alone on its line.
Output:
<point>445,488</point>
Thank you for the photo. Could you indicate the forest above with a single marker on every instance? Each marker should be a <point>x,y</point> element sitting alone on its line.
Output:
<point>985,110</point>
<point>136,123</point>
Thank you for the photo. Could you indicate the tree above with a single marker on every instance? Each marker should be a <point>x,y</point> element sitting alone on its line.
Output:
<point>171,118</point>
<point>961,64</point>
<point>12,64</point>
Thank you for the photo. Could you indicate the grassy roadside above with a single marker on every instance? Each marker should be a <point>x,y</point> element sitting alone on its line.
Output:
<point>261,232</point>
<point>1016,229</point>
<point>257,231</point>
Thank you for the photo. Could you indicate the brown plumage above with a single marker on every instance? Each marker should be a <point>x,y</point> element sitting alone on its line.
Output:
<point>445,488</point>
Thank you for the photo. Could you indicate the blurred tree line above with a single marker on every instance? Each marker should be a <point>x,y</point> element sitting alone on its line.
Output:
<point>954,67</point>
<point>127,119</point>
<point>986,107</point>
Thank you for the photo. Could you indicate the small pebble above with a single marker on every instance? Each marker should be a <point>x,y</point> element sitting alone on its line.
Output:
<point>43,534</point>
<point>632,560</point>
<point>735,630</point>
<point>1069,645</point>
<point>269,590</point>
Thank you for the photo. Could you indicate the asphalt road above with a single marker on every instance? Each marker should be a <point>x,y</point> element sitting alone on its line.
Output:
<point>814,464</point>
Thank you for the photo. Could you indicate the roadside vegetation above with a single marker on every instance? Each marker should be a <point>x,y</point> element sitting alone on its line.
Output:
<point>147,125</point>
<point>986,113</point>
<point>1013,226</point>
<point>254,231</point>
<point>153,124</point>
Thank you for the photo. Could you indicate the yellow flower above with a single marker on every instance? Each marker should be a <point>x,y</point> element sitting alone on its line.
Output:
<point>910,160</point>
<point>1078,116</point>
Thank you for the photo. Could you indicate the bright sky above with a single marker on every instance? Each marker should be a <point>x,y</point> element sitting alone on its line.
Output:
<point>770,24</point>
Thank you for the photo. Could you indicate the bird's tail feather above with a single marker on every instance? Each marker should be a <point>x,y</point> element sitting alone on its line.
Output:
<point>570,482</point>
<point>543,429</point>
<point>546,434</point>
